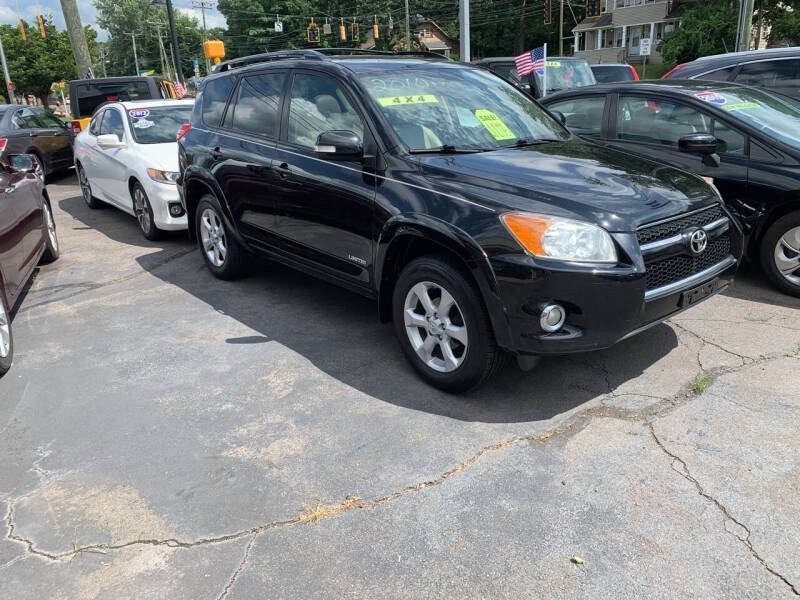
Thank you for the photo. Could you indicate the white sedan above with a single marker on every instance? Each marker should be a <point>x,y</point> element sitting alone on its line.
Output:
<point>128,157</point>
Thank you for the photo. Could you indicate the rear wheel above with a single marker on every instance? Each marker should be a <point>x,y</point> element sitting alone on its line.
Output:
<point>144,213</point>
<point>780,253</point>
<point>443,327</point>
<point>6,339</point>
<point>223,255</point>
<point>50,238</point>
<point>86,189</point>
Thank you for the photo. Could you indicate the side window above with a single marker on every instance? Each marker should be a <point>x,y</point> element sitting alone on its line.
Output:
<point>718,75</point>
<point>25,119</point>
<point>656,121</point>
<point>318,104</point>
<point>256,108</point>
<point>47,119</point>
<point>215,95</point>
<point>729,141</point>
<point>584,115</point>
<point>94,126</point>
<point>771,73</point>
<point>112,123</point>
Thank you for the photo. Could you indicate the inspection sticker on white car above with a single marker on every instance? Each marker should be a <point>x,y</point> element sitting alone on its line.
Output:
<point>139,113</point>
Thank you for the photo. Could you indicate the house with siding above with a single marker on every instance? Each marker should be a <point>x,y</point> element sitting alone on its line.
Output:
<point>614,36</point>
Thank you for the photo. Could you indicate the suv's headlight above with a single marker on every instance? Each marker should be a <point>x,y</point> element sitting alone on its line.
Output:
<point>163,176</point>
<point>561,239</point>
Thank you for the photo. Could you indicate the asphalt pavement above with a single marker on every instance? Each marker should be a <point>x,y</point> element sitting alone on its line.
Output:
<point>167,435</point>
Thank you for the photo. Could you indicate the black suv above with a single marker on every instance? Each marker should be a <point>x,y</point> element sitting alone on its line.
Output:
<point>478,222</point>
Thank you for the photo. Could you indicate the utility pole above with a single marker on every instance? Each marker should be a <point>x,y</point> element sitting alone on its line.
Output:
<point>561,29</point>
<point>463,30</point>
<point>408,29</point>
<point>203,4</point>
<point>103,56</point>
<point>135,56</point>
<point>174,34</point>
<point>162,53</point>
<point>5,73</point>
<point>747,24</point>
<point>77,37</point>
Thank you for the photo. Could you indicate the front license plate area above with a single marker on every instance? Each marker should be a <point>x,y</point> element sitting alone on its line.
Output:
<point>695,295</point>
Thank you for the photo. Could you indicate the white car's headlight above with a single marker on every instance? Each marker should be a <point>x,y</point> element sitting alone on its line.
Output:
<point>562,239</point>
<point>163,176</point>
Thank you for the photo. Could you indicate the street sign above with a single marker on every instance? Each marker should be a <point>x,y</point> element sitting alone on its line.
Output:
<point>644,47</point>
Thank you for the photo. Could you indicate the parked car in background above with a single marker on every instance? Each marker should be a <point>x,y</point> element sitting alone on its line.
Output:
<point>86,95</point>
<point>475,219</point>
<point>611,72</point>
<point>562,73</point>
<point>777,69</point>
<point>756,134</point>
<point>36,131</point>
<point>27,237</point>
<point>128,157</point>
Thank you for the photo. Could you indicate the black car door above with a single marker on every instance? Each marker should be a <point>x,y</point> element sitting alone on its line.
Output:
<point>324,206</point>
<point>22,132</point>
<point>55,138</point>
<point>247,145</point>
<point>651,125</point>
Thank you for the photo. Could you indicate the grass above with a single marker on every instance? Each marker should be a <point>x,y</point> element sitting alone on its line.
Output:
<point>701,382</point>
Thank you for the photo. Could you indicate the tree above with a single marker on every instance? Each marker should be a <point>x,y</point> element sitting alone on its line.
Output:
<point>705,28</point>
<point>34,64</point>
<point>783,19</point>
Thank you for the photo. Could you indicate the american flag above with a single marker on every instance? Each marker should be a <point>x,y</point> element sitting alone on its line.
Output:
<point>180,90</point>
<point>531,61</point>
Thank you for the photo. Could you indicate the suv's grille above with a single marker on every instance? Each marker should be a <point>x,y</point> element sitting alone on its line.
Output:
<point>670,228</point>
<point>674,268</point>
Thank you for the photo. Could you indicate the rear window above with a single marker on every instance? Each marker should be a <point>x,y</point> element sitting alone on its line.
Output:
<point>90,94</point>
<point>157,125</point>
<point>609,74</point>
<point>565,74</point>
<point>215,95</point>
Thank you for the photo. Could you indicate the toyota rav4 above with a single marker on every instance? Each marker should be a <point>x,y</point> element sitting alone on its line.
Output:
<point>482,227</point>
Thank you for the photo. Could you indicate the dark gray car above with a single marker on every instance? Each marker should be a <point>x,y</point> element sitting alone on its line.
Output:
<point>33,130</point>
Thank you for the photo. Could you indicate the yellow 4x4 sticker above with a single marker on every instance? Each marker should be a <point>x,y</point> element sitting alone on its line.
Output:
<point>403,100</point>
<point>553,63</point>
<point>494,125</point>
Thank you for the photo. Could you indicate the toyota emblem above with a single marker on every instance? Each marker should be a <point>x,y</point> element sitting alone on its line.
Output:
<point>698,241</point>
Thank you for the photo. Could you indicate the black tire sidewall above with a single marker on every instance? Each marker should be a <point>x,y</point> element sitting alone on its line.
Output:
<point>5,362</point>
<point>50,254</point>
<point>441,272</point>
<point>767,252</point>
<point>153,232</point>
<point>92,202</point>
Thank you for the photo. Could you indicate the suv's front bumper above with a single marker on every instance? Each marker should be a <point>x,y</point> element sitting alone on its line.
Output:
<point>604,305</point>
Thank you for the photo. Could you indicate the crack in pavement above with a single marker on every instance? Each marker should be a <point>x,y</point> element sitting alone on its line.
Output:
<point>238,570</point>
<point>742,357</point>
<point>686,474</point>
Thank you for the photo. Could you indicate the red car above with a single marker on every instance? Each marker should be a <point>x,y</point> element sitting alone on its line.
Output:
<point>27,237</point>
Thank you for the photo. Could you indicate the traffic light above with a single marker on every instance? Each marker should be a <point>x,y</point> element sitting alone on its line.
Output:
<point>312,32</point>
<point>342,31</point>
<point>375,28</point>
<point>593,8</point>
<point>354,30</point>
<point>548,12</point>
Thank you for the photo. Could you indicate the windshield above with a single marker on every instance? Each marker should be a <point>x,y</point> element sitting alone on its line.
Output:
<point>157,125</point>
<point>564,74</point>
<point>776,116</point>
<point>460,108</point>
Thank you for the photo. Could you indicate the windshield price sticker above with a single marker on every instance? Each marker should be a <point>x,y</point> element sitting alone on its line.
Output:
<point>553,63</point>
<point>139,113</point>
<point>712,97</point>
<point>403,100</point>
<point>494,125</point>
<point>743,105</point>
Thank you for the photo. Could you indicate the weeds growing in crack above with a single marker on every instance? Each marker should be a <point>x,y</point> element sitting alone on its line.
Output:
<point>701,382</point>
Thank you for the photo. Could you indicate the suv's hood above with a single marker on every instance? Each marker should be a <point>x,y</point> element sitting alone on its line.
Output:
<point>571,178</point>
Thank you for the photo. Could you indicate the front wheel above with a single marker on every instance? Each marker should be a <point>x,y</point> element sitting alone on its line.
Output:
<point>6,339</point>
<point>50,238</point>
<point>223,255</point>
<point>144,213</point>
<point>443,327</point>
<point>780,253</point>
<point>86,189</point>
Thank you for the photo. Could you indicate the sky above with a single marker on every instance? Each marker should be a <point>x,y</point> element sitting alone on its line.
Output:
<point>27,8</point>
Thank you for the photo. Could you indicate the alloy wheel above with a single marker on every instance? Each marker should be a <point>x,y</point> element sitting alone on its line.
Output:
<point>212,236</point>
<point>5,331</point>
<point>141,209</point>
<point>50,225</point>
<point>86,189</point>
<point>787,255</point>
<point>435,326</point>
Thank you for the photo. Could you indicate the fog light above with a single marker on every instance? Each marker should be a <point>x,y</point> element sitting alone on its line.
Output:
<point>552,318</point>
<point>175,209</point>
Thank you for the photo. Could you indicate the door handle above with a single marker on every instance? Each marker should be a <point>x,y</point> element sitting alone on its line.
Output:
<point>284,171</point>
<point>216,154</point>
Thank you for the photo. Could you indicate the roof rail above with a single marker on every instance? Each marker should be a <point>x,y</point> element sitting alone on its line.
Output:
<point>267,57</point>
<point>349,51</point>
<point>421,53</point>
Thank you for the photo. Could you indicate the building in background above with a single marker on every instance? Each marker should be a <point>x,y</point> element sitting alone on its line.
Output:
<point>435,39</point>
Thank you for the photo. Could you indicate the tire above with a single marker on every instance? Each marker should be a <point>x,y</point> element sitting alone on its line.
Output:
<point>780,248</point>
<point>86,189</point>
<point>222,253</point>
<point>6,339</point>
<point>51,250</point>
<point>144,212</point>
<point>454,363</point>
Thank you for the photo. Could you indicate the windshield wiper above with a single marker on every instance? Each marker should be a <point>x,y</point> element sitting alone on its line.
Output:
<point>446,149</point>
<point>522,142</point>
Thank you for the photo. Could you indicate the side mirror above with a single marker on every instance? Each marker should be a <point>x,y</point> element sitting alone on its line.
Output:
<point>339,144</point>
<point>109,141</point>
<point>560,116</point>
<point>701,143</point>
<point>23,163</point>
